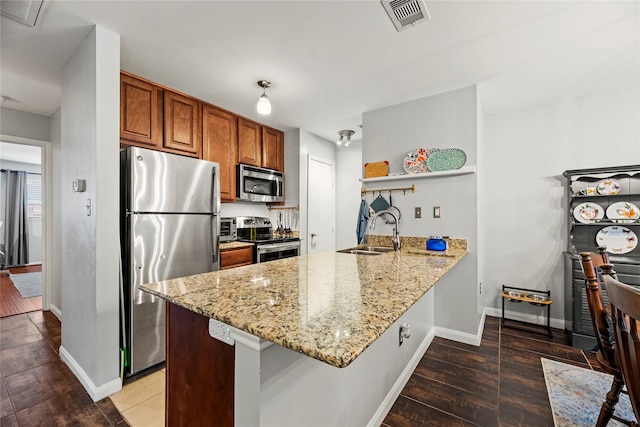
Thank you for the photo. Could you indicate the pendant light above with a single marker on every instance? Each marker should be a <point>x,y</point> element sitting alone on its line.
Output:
<point>345,137</point>
<point>264,105</point>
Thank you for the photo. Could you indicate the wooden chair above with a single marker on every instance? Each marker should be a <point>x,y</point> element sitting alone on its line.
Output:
<point>625,314</point>
<point>600,318</point>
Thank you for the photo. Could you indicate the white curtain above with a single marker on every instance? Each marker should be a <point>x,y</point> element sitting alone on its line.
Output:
<point>16,236</point>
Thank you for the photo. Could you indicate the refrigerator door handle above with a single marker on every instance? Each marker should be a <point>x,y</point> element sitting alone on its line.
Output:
<point>215,189</point>
<point>215,240</point>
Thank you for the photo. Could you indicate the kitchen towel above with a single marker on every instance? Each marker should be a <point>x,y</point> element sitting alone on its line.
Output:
<point>363,217</point>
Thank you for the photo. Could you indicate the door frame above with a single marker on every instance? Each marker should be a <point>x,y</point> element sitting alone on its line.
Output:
<point>47,224</point>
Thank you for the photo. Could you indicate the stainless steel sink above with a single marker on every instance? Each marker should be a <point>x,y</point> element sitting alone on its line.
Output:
<point>359,252</point>
<point>366,250</point>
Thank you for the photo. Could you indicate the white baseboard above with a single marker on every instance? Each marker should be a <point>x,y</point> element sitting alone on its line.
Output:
<point>393,394</point>
<point>463,337</point>
<point>524,317</point>
<point>95,392</point>
<point>56,311</point>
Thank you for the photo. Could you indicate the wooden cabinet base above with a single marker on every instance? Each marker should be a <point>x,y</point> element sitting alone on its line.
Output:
<point>200,372</point>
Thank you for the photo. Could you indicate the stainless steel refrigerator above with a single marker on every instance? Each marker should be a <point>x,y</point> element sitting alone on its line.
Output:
<point>170,228</point>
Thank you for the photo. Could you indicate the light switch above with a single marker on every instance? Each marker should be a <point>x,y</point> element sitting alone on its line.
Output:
<point>418,212</point>
<point>436,211</point>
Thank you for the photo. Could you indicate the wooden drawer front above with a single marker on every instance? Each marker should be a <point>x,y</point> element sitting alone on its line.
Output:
<point>182,124</point>
<point>230,258</point>
<point>140,112</point>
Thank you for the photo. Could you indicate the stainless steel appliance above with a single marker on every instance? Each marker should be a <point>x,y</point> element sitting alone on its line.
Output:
<point>228,229</point>
<point>259,184</point>
<point>257,230</point>
<point>170,228</point>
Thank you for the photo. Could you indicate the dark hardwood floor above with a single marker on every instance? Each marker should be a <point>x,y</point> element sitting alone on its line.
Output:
<point>36,387</point>
<point>11,302</point>
<point>499,383</point>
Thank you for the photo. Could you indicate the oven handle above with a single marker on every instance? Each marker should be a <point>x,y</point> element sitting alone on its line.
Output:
<point>273,247</point>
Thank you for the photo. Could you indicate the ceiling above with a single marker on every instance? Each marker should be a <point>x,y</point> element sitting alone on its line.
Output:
<point>330,61</point>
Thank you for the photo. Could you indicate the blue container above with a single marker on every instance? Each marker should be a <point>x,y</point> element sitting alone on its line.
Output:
<point>436,243</point>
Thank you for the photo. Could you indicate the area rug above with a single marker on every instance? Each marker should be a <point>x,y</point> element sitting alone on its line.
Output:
<point>28,284</point>
<point>576,395</point>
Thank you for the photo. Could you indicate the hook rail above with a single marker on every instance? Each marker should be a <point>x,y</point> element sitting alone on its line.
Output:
<point>404,190</point>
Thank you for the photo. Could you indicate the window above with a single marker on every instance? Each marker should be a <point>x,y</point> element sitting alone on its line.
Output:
<point>34,195</point>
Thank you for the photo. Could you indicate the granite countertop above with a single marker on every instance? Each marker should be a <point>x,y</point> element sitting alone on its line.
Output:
<point>234,245</point>
<point>330,306</point>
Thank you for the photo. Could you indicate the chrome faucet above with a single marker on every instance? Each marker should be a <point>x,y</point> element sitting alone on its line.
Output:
<point>396,235</point>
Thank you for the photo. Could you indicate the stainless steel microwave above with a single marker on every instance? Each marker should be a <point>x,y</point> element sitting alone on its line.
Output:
<point>259,184</point>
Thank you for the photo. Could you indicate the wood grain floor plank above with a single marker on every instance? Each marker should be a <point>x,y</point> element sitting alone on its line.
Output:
<point>11,302</point>
<point>409,413</point>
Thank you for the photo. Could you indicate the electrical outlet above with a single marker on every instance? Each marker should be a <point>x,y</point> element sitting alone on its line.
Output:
<point>418,212</point>
<point>220,331</point>
<point>436,211</point>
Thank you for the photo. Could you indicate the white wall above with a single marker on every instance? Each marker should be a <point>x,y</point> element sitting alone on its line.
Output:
<point>447,120</point>
<point>523,205</point>
<point>348,172</point>
<point>24,125</point>
<point>90,243</point>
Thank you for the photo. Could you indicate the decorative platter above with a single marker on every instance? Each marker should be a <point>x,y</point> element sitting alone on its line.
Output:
<point>446,159</point>
<point>416,160</point>
<point>617,239</point>
<point>623,212</point>
<point>587,213</point>
<point>608,187</point>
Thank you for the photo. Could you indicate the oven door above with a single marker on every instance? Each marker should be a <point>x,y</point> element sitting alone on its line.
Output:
<point>274,251</point>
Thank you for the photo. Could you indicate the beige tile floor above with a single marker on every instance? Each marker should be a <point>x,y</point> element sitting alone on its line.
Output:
<point>141,402</point>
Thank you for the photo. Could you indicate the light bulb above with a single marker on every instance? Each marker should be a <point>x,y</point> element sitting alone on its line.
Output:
<point>264,105</point>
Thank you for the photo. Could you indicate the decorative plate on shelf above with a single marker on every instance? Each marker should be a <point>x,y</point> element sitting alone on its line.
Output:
<point>588,212</point>
<point>617,239</point>
<point>446,159</point>
<point>623,212</point>
<point>416,160</point>
<point>608,187</point>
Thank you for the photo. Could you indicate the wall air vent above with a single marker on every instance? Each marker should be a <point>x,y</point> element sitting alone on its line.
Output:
<point>23,11</point>
<point>406,13</point>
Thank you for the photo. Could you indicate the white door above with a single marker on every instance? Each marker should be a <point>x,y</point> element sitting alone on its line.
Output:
<point>321,205</point>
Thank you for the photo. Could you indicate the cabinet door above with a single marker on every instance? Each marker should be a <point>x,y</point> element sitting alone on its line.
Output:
<point>182,124</point>
<point>272,149</point>
<point>219,144</point>
<point>140,112</point>
<point>237,257</point>
<point>249,142</point>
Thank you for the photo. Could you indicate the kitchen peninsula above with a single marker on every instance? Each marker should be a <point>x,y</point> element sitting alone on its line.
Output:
<point>322,311</point>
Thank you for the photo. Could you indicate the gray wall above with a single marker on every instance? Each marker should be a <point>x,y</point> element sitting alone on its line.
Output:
<point>55,212</point>
<point>447,120</point>
<point>348,172</point>
<point>524,206</point>
<point>90,244</point>
<point>24,125</point>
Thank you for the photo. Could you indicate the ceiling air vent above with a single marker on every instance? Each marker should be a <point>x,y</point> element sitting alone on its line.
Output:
<point>406,13</point>
<point>23,11</point>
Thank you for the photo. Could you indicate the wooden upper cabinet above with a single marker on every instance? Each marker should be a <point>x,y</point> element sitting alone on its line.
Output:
<point>272,149</point>
<point>140,112</point>
<point>219,144</point>
<point>182,124</point>
<point>249,142</point>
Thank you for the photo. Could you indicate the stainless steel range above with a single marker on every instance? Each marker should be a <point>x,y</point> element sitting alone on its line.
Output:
<point>257,230</point>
